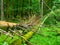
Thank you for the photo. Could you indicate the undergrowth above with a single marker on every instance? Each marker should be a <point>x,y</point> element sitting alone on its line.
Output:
<point>49,37</point>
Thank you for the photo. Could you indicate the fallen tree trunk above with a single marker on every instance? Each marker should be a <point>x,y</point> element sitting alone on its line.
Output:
<point>4,23</point>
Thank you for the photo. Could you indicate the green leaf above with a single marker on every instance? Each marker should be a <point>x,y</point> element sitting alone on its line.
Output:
<point>5,43</point>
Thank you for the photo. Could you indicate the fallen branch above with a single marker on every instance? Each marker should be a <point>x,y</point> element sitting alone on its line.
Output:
<point>6,33</point>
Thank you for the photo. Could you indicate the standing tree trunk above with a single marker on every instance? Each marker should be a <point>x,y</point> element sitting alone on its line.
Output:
<point>7,10</point>
<point>42,4</point>
<point>2,10</point>
<point>42,8</point>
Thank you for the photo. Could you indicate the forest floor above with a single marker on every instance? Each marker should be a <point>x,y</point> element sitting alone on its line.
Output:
<point>50,36</point>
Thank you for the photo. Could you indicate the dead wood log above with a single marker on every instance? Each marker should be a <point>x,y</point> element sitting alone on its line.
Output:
<point>34,20</point>
<point>4,23</point>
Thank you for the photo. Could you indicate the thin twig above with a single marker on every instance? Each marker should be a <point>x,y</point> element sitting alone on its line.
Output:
<point>6,33</point>
<point>49,8</point>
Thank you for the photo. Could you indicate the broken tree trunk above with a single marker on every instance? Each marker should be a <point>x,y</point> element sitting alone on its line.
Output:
<point>4,25</point>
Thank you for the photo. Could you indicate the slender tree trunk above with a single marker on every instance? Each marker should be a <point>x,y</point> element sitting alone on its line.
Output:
<point>2,10</point>
<point>8,16</point>
<point>42,8</point>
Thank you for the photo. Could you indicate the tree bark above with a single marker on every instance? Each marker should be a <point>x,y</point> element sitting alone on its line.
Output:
<point>42,4</point>
<point>2,10</point>
<point>6,24</point>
